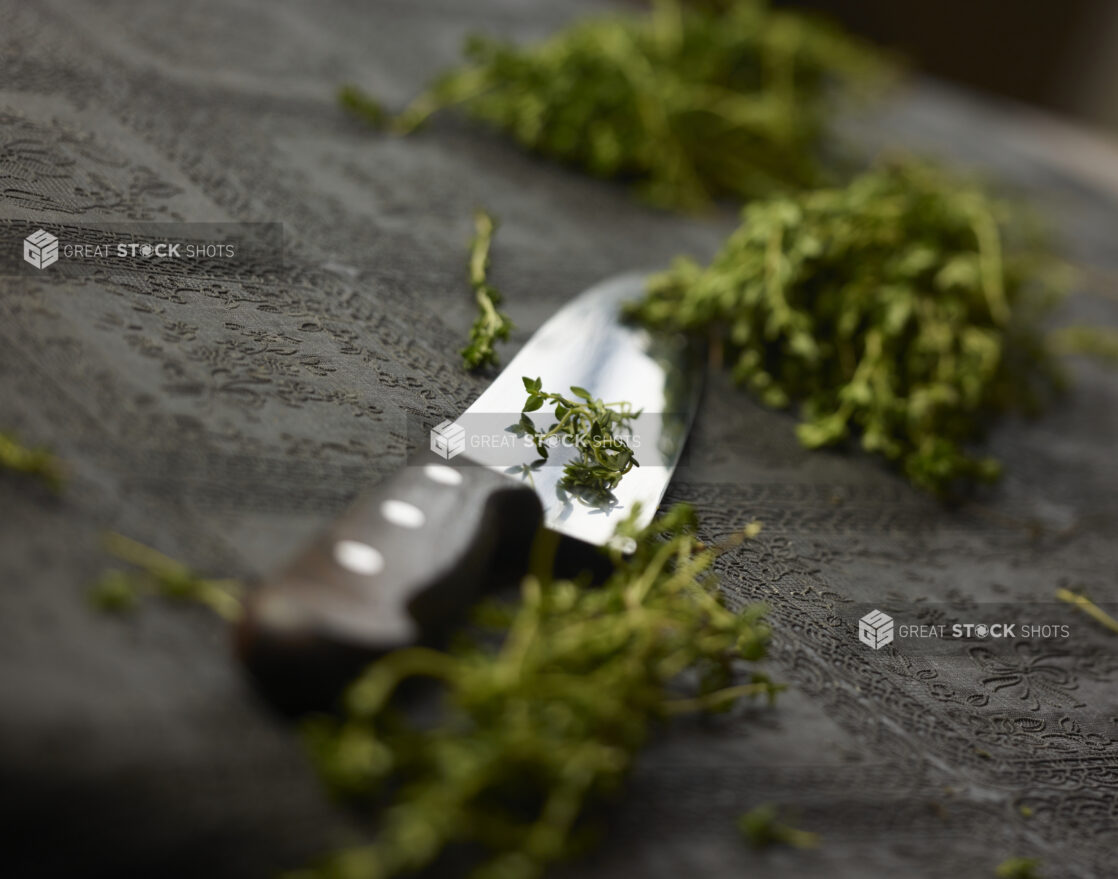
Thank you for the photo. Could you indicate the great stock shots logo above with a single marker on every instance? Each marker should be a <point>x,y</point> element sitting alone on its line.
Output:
<point>210,250</point>
<point>40,249</point>
<point>875,629</point>
<point>926,628</point>
<point>448,439</point>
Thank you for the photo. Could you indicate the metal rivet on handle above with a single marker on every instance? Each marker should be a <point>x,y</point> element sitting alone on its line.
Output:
<point>403,514</point>
<point>353,555</point>
<point>443,474</point>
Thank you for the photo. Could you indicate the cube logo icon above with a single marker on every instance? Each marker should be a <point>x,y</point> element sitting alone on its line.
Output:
<point>40,249</point>
<point>448,439</point>
<point>875,629</point>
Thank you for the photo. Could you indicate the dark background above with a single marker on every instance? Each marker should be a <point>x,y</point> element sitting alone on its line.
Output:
<point>1059,55</point>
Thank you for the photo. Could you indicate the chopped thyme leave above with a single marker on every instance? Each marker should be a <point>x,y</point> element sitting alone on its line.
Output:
<point>1018,868</point>
<point>35,462</point>
<point>491,325</point>
<point>763,827</point>
<point>154,573</point>
<point>1083,603</point>
<point>593,428</point>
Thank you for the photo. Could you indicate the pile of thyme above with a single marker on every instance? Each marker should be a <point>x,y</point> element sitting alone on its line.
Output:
<point>903,309</point>
<point>690,102</point>
<point>541,711</point>
<point>593,428</point>
<point>491,325</point>
<point>540,722</point>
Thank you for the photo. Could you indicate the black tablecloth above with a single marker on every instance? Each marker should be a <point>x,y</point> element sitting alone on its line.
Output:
<point>224,421</point>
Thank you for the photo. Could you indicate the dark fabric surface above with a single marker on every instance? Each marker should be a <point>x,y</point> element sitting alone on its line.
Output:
<point>224,422</point>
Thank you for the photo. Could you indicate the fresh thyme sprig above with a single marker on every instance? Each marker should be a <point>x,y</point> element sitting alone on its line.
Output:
<point>689,102</point>
<point>543,721</point>
<point>593,428</point>
<point>157,574</point>
<point>491,325</point>
<point>903,309</point>
<point>37,463</point>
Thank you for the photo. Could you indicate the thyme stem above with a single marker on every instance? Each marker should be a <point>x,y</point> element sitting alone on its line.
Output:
<point>491,325</point>
<point>1083,603</point>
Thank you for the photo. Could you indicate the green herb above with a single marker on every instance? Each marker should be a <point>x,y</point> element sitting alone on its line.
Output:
<point>157,574</point>
<point>688,102</point>
<point>903,309</point>
<point>762,827</point>
<point>593,428</point>
<point>362,105</point>
<point>1083,603</point>
<point>491,325</point>
<point>37,463</point>
<point>1018,868</point>
<point>541,722</point>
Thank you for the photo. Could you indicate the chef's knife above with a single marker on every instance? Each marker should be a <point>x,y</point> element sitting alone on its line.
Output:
<point>410,557</point>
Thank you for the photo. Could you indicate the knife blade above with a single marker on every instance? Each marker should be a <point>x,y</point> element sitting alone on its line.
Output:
<point>410,557</point>
<point>586,344</point>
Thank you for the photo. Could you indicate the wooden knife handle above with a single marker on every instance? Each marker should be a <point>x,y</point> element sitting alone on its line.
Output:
<point>400,565</point>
